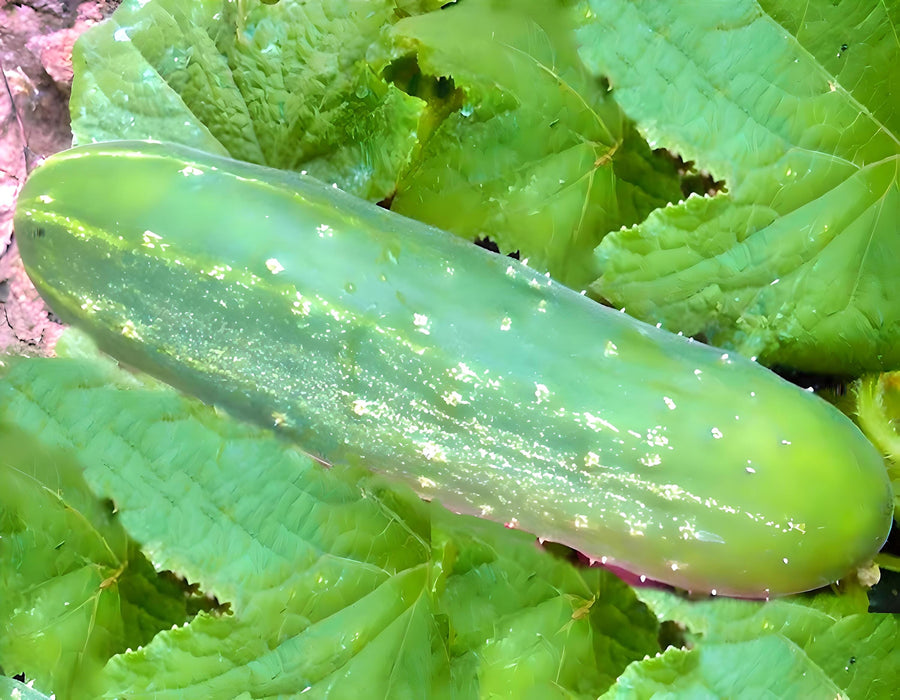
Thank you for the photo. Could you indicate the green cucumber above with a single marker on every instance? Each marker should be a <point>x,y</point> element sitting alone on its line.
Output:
<point>370,338</point>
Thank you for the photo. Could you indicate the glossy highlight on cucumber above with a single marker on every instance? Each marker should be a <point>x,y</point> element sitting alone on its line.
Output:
<point>370,338</point>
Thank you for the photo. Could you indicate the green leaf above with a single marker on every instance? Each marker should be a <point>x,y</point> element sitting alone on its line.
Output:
<point>799,618</point>
<point>521,616</point>
<point>337,582</point>
<point>795,105</point>
<point>818,645</point>
<point>76,590</point>
<point>531,152</point>
<point>284,85</point>
<point>118,93</point>
<point>740,671</point>
<point>313,99</point>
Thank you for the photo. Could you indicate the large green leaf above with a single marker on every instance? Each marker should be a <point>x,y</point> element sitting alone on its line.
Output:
<point>337,583</point>
<point>823,645</point>
<point>118,92</point>
<point>284,85</point>
<point>797,107</point>
<point>75,589</point>
<point>533,154</point>
<point>765,668</point>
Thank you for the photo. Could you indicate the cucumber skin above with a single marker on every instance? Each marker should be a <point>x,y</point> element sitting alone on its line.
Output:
<point>370,338</point>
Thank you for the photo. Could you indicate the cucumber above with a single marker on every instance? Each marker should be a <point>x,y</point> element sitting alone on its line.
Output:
<point>369,338</point>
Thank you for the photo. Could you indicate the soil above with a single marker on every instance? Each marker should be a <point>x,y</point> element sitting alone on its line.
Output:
<point>36,39</point>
